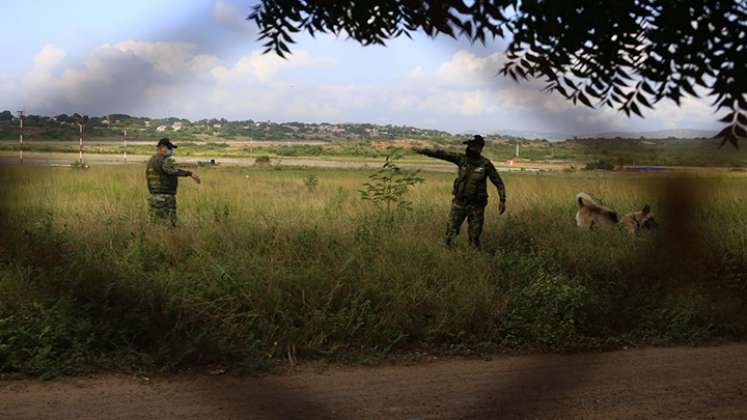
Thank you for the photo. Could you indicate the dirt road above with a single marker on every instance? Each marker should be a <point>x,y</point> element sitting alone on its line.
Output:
<point>651,383</point>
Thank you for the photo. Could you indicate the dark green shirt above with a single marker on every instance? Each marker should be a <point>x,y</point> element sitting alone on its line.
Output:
<point>163,175</point>
<point>471,182</point>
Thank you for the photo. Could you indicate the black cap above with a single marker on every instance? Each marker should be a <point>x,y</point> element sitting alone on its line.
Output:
<point>477,139</point>
<point>166,142</point>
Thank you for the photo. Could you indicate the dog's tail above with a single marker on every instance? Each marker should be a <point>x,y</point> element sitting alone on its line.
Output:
<point>583,199</point>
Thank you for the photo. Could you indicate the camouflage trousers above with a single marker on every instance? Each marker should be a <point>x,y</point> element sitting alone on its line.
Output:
<point>475,215</point>
<point>162,207</point>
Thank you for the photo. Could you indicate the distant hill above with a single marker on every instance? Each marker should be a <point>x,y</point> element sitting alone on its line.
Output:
<point>681,133</point>
<point>65,127</point>
<point>532,135</point>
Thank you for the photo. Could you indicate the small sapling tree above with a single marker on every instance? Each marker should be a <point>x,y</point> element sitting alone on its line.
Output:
<point>387,188</point>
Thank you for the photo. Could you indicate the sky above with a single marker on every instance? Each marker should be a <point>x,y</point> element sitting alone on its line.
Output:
<point>200,59</point>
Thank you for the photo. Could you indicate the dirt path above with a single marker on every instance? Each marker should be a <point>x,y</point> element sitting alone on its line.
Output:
<point>651,383</point>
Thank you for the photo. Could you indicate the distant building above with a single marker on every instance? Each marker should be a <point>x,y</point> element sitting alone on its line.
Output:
<point>161,128</point>
<point>177,126</point>
<point>217,125</point>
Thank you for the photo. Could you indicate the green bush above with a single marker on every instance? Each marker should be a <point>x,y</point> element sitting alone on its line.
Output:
<point>600,165</point>
<point>262,160</point>
<point>311,182</point>
<point>547,310</point>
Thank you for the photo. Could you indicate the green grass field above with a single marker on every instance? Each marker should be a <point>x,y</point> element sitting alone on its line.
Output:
<point>261,266</point>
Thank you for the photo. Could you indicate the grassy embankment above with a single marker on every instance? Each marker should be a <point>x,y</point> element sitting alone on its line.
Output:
<point>261,266</point>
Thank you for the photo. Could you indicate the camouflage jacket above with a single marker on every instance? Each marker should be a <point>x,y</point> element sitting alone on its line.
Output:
<point>163,175</point>
<point>471,182</point>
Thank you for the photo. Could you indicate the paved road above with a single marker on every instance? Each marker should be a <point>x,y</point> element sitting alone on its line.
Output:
<point>152,143</point>
<point>680,383</point>
<point>66,159</point>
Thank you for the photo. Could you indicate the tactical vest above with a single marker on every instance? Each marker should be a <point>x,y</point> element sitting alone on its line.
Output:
<point>158,181</point>
<point>471,182</point>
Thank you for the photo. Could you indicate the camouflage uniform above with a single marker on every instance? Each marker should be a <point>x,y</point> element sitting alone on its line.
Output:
<point>470,193</point>
<point>163,180</point>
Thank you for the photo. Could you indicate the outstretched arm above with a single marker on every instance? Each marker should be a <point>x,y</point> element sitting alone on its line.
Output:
<point>169,167</point>
<point>495,178</point>
<point>438,154</point>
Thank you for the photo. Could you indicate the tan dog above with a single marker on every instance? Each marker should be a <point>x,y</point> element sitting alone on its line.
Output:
<point>591,214</point>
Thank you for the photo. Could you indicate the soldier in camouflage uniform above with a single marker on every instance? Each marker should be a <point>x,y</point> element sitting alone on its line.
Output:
<point>163,180</point>
<point>470,189</point>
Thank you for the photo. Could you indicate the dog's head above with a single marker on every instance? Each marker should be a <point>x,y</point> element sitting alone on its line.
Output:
<point>642,220</point>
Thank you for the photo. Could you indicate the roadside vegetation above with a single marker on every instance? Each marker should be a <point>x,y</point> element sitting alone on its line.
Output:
<point>590,153</point>
<point>216,138</point>
<point>270,265</point>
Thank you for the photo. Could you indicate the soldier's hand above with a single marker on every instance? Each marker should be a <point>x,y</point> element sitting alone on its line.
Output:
<point>501,207</point>
<point>196,178</point>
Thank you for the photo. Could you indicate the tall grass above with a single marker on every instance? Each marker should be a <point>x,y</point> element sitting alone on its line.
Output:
<point>260,266</point>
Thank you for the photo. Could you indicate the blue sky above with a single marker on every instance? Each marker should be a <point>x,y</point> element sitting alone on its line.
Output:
<point>199,59</point>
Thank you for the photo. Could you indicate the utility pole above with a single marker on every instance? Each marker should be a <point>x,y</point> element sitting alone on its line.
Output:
<point>20,136</point>
<point>81,124</point>
<point>518,149</point>
<point>124,136</point>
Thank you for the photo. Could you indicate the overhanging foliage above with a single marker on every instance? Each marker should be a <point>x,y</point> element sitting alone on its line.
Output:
<point>627,55</point>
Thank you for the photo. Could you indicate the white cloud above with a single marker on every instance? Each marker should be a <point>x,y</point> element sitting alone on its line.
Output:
<point>45,63</point>
<point>693,113</point>
<point>264,66</point>
<point>232,19</point>
<point>166,77</point>
<point>167,57</point>
<point>462,93</point>
<point>463,69</point>
<point>468,85</point>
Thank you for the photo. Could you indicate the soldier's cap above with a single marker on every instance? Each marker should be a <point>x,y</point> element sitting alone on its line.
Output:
<point>477,139</point>
<point>166,142</point>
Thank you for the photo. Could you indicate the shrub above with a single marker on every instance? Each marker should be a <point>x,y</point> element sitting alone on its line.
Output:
<point>547,310</point>
<point>311,182</point>
<point>601,165</point>
<point>387,187</point>
<point>262,160</point>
